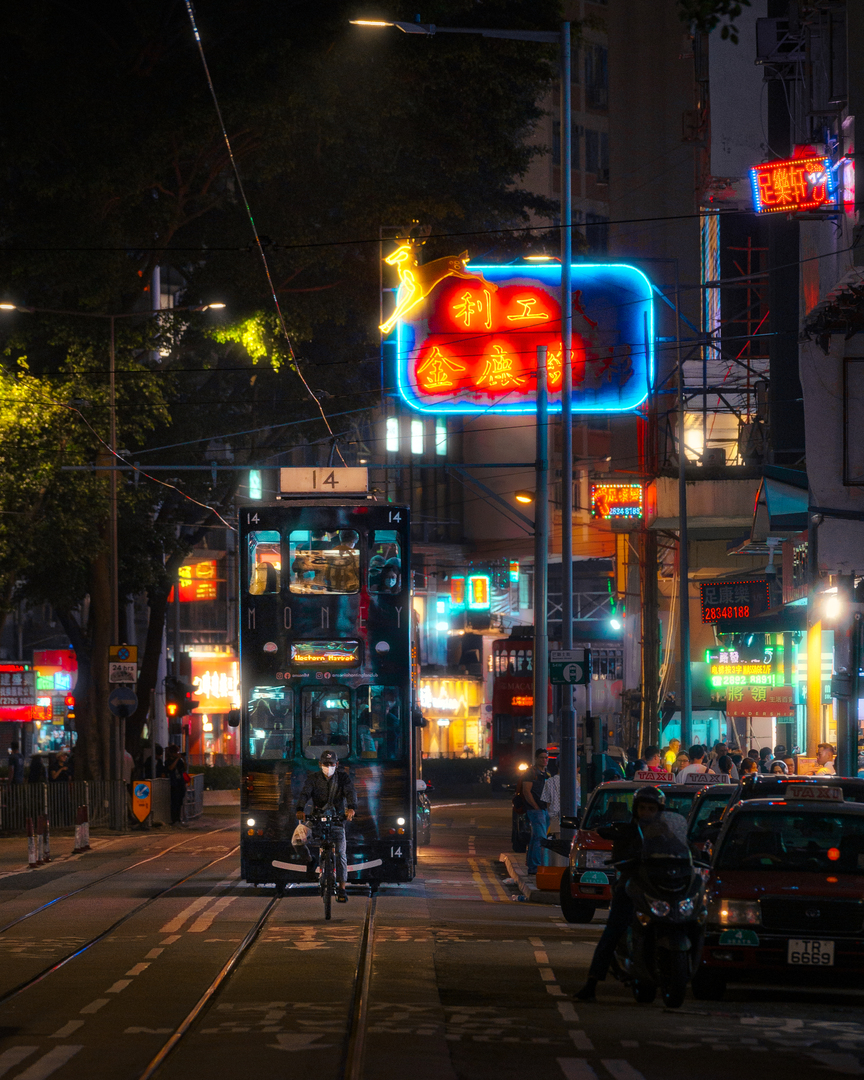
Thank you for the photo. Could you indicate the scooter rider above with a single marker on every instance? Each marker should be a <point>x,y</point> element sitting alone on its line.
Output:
<point>626,837</point>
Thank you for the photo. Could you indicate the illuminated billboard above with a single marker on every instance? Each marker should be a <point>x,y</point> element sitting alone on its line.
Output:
<point>618,502</point>
<point>468,343</point>
<point>721,600</point>
<point>798,183</point>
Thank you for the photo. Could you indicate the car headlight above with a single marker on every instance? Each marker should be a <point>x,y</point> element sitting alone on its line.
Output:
<point>734,912</point>
<point>659,908</point>
<point>400,820</point>
<point>685,907</point>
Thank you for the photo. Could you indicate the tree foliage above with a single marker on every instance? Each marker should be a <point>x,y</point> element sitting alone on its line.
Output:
<point>706,15</point>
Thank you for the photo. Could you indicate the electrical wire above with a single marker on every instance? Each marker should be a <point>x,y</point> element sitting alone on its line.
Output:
<point>255,232</point>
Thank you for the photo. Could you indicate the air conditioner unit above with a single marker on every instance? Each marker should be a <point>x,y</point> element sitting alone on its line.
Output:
<point>713,457</point>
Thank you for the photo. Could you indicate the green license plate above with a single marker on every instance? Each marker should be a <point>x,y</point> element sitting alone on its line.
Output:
<point>739,937</point>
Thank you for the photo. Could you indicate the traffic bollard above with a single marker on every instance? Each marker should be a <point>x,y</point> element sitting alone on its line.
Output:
<point>40,831</point>
<point>79,817</point>
<point>46,841</point>
<point>85,828</point>
<point>31,846</point>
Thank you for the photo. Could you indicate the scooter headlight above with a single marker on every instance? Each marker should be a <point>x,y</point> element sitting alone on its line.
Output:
<point>685,907</point>
<point>659,908</point>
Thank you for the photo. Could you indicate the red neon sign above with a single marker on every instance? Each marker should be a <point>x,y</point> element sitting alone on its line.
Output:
<point>800,183</point>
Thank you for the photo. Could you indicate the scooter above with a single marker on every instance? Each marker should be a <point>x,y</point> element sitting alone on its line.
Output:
<point>663,943</point>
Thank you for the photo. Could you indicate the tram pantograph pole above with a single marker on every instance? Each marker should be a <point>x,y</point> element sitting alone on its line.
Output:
<point>541,560</point>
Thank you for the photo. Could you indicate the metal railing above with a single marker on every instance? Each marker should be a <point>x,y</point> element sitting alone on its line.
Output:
<point>193,805</point>
<point>59,802</point>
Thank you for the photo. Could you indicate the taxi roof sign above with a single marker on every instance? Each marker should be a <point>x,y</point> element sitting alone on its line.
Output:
<point>815,792</point>
<point>654,776</point>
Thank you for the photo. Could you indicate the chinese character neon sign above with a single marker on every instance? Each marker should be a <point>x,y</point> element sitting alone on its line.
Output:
<point>617,502</point>
<point>478,592</point>
<point>466,337</point>
<point>733,599</point>
<point>801,183</point>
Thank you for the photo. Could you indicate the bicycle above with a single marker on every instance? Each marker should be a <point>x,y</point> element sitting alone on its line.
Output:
<point>327,822</point>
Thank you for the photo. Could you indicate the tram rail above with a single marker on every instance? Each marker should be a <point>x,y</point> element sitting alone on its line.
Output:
<point>107,877</point>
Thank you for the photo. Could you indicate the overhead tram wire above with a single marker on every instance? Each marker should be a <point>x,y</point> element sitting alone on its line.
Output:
<point>255,232</point>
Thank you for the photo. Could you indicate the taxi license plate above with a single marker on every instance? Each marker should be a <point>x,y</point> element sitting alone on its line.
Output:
<point>810,953</point>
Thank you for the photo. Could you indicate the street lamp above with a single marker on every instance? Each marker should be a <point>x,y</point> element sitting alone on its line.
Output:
<point>526,497</point>
<point>562,39</point>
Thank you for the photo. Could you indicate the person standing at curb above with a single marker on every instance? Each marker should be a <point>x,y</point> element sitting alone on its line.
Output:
<point>16,764</point>
<point>538,817</point>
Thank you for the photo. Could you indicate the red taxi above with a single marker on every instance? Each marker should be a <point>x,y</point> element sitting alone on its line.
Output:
<point>587,881</point>
<point>786,892</point>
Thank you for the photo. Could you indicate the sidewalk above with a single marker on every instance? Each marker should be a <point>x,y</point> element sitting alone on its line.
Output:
<point>516,869</point>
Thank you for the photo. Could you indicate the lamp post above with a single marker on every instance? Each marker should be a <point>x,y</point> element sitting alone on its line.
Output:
<point>561,38</point>
<point>112,440</point>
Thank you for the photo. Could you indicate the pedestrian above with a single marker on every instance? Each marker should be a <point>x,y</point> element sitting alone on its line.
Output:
<point>652,759</point>
<point>726,765</point>
<point>681,762</point>
<point>778,766</point>
<point>753,755</point>
<point>147,770</point>
<point>16,763</point>
<point>175,769</point>
<point>735,754</point>
<point>749,767</point>
<point>765,759</point>
<point>632,758</point>
<point>696,768</point>
<point>538,817</point>
<point>552,796</point>
<point>60,770</point>
<point>825,760</point>
<point>37,774</point>
<point>672,753</point>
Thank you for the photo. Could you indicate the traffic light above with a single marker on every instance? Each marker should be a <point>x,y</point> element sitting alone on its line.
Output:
<point>188,703</point>
<point>69,702</point>
<point>178,697</point>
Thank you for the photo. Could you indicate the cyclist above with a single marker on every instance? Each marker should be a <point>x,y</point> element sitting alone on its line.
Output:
<point>329,789</point>
<point>626,837</point>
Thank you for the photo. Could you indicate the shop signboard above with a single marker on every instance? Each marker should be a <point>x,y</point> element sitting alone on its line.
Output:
<point>17,692</point>
<point>803,182</point>
<point>466,336</point>
<point>216,682</point>
<point>760,701</point>
<point>733,599</point>
<point>621,505</point>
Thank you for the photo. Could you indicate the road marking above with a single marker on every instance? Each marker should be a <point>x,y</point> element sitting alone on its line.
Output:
<point>555,990</point>
<point>581,1040</point>
<point>121,984</point>
<point>541,957</point>
<point>67,1029</point>
<point>49,1063</point>
<point>187,913</point>
<point>14,1056</point>
<point>153,954</point>
<point>577,1069</point>
<point>622,1070</point>
<point>137,969</point>
<point>170,940</point>
<point>536,942</point>
<point>568,1012</point>
<point>481,884</point>
<point>203,922</point>
<point>147,1031</point>
<point>94,1006</point>
<point>547,974</point>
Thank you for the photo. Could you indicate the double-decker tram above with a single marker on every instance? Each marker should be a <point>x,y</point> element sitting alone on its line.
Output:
<point>325,614</point>
<point>512,706</point>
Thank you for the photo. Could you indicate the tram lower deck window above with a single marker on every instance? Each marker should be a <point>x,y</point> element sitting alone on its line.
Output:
<point>379,723</point>
<point>271,722</point>
<point>324,562</point>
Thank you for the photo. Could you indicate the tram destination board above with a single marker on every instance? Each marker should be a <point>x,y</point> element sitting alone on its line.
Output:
<point>324,480</point>
<point>720,600</point>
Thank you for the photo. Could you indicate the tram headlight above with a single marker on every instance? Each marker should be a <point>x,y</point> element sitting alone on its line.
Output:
<point>400,820</point>
<point>251,822</point>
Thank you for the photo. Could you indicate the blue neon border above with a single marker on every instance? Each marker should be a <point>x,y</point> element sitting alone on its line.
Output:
<point>530,407</point>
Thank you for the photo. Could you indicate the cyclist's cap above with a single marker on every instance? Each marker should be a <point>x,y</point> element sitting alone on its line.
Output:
<point>328,757</point>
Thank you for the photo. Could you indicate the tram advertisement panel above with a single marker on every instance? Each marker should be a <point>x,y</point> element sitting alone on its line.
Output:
<point>325,664</point>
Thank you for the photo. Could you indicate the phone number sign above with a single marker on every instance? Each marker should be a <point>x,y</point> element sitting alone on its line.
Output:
<point>721,600</point>
<point>471,345</point>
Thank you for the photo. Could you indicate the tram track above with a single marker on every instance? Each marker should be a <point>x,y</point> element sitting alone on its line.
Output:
<point>106,877</point>
<point>34,980</point>
<point>354,1042</point>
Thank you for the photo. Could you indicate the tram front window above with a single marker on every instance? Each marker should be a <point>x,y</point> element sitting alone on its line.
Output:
<point>265,562</point>
<point>271,722</point>
<point>326,716</point>
<point>379,723</point>
<point>385,562</point>
<point>324,562</point>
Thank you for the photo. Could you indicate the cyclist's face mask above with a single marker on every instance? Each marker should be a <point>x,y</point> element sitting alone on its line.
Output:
<point>328,770</point>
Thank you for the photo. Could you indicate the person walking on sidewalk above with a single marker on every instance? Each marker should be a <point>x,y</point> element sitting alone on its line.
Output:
<point>175,769</point>
<point>538,816</point>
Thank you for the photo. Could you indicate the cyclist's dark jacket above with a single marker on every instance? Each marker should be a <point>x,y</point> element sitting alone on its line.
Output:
<point>317,788</point>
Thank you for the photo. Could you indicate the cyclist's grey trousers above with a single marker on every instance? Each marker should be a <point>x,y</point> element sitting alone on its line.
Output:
<point>338,833</point>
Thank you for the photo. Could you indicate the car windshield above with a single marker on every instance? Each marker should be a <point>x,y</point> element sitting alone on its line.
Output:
<point>808,841</point>
<point>710,808</point>
<point>608,807</point>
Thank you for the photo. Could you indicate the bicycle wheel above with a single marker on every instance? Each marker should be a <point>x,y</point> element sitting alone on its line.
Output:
<point>327,882</point>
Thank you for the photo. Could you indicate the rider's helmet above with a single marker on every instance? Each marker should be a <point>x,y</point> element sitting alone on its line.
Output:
<point>650,794</point>
<point>328,757</point>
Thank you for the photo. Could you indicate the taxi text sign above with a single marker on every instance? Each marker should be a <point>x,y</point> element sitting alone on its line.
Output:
<point>655,776</point>
<point>471,345</point>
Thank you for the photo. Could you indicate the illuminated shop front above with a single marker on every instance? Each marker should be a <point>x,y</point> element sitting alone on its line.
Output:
<point>453,711</point>
<point>216,686</point>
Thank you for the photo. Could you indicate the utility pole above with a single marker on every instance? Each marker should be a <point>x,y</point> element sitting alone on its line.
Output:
<point>686,702</point>
<point>541,560</point>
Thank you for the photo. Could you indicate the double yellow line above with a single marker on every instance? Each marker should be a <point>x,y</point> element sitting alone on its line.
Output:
<point>487,883</point>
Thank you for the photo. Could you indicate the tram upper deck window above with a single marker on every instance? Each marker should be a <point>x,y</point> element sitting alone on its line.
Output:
<point>515,662</point>
<point>385,562</point>
<point>265,562</point>
<point>271,722</point>
<point>324,562</point>
<point>326,715</point>
<point>379,723</point>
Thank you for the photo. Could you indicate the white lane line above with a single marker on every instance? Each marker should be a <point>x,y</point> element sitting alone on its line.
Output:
<point>153,954</point>
<point>67,1029</point>
<point>581,1040</point>
<point>536,942</point>
<point>541,957</point>
<point>547,974</point>
<point>121,984</point>
<point>49,1063</point>
<point>170,940</point>
<point>137,969</point>
<point>94,1006</point>
<point>14,1056</point>
<point>176,923</point>
<point>577,1069</point>
<point>204,921</point>
<point>568,1012</point>
<point>555,990</point>
<point>622,1070</point>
